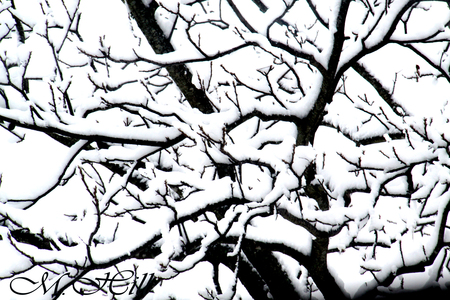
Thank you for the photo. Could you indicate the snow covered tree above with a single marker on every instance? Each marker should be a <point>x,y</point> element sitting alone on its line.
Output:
<point>224,149</point>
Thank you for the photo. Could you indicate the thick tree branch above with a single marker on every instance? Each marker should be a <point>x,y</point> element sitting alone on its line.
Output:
<point>180,74</point>
<point>382,91</point>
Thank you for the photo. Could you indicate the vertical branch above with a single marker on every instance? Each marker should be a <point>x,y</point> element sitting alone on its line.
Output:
<point>21,32</point>
<point>215,265</point>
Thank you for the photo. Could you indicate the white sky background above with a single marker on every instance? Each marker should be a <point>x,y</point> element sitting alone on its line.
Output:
<point>30,166</point>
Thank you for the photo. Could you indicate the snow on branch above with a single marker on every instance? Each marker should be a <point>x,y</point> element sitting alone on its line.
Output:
<point>230,149</point>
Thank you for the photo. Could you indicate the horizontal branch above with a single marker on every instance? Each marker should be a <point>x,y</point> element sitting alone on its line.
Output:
<point>90,130</point>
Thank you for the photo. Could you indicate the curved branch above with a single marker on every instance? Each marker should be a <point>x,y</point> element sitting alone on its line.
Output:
<point>442,72</point>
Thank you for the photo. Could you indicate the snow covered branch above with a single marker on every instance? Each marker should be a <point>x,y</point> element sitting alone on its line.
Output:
<point>264,148</point>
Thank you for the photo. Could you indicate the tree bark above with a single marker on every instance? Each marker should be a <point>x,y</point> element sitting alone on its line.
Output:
<point>180,74</point>
<point>271,271</point>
